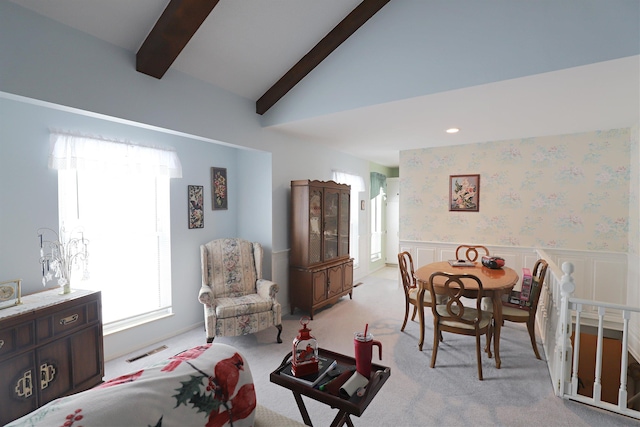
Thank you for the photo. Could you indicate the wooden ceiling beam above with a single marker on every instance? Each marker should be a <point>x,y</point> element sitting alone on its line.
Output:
<point>177,24</point>
<point>315,56</point>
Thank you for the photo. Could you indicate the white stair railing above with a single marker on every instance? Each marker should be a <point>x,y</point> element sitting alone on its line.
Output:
<point>558,311</point>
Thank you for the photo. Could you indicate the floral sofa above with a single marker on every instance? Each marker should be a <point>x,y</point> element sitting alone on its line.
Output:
<point>236,299</point>
<point>209,385</point>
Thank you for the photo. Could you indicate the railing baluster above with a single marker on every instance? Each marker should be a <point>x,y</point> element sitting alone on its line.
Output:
<point>567,286</point>
<point>622,393</point>
<point>597,384</point>
<point>576,351</point>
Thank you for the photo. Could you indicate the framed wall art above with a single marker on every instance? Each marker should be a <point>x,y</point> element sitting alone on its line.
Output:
<point>464,193</point>
<point>219,192</point>
<point>196,204</point>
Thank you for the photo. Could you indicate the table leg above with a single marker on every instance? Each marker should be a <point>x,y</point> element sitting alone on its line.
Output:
<point>497,320</point>
<point>341,418</point>
<point>303,409</point>
<point>420,298</point>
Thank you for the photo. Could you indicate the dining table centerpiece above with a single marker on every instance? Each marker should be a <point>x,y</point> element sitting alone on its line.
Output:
<point>62,253</point>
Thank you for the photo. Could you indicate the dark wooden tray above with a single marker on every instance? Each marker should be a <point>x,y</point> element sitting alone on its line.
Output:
<point>354,405</point>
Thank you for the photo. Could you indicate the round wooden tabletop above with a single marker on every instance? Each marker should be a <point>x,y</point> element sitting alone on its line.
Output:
<point>501,278</point>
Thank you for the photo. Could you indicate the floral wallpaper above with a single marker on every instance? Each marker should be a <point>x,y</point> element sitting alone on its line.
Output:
<point>566,191</point>
<point>634,198</point>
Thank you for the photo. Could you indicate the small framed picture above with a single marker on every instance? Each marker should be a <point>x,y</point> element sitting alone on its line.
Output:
<point>196,203</point>
<point>10,293</point>
<point>464,193</point>
<point>219,192</point>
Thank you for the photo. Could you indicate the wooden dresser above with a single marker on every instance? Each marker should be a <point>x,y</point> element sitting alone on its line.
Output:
<point>50,346</point>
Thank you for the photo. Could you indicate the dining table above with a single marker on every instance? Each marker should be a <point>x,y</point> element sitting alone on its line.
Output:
<point>495,283</point>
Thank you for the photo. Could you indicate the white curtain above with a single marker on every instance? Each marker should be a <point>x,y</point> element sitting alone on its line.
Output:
<point>70,151</point>
<point>355,181</point>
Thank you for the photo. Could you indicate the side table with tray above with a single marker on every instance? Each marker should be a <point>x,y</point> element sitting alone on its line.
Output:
<point>354,405</point>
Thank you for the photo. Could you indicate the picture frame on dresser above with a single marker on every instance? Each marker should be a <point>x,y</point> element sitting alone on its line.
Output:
<point>10,293</point>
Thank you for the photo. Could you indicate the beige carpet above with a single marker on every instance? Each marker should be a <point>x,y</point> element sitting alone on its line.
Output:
<point>519,394</point>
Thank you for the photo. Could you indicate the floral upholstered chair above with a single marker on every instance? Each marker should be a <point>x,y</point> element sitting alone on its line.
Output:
<point>236,299</point>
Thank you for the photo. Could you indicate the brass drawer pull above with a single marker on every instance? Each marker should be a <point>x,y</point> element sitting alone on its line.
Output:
<point>47,374</point>
<point>24,385</point>
<point>1,343</point>
<point>69,319</point>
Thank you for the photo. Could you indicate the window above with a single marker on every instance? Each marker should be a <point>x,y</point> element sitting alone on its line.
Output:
<point>377,198</point>
<point>124,213</point>
<point>357,185</point>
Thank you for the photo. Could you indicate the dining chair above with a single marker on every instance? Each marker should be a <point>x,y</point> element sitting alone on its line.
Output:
<point>526,314</point>
<point>471,252</point>
<point>405,263</point>
<point>455,316</point>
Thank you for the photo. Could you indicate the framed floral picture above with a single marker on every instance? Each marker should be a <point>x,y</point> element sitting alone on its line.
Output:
<point>196,204</point>
<point>219,189</point>
<point>464,193</point>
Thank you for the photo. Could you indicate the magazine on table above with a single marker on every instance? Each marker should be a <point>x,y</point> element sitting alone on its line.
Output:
<point>324,366</point>
<point>461,263</point>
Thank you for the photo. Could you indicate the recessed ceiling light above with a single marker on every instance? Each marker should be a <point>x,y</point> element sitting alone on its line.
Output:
<point>453,130</point>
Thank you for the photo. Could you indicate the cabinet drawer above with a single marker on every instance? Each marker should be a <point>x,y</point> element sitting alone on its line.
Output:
<point>62,322</point>
<point>16,338</point>
<point>69,320</point>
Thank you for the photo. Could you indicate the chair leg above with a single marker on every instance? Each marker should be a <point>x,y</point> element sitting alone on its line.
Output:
<point>434,352</point>
<point>210,340</point>
<point>489,338</point>
<point>415,310</point>
<point>531,326</point>
<point>278,339</point>
<point>478,356</point>
<point>406,315</point>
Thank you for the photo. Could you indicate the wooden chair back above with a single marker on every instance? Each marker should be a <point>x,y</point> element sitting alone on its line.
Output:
<point>471,252</point>
<point>454,290</point>
<point>405,262</point>
<point>539,273</point>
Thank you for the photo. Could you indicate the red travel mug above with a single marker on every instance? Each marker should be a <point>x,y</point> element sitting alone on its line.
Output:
<point>364,352</point>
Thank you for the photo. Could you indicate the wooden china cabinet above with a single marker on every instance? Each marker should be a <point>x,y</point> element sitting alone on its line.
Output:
<point>320,269</point>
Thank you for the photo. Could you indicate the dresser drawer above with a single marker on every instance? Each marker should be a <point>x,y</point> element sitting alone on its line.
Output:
<point>15,338</point>
<point>68,318</point>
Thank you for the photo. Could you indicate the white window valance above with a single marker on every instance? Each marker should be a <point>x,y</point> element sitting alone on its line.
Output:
<point>355,181</point>
<point>79,152</point>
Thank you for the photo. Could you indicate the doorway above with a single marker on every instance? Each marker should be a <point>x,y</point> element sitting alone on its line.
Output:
<point>393,220</point>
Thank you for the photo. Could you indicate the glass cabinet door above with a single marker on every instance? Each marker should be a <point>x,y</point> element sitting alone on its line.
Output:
<point>315,226</point>
<point>343,248</point>
<point>331,208</point>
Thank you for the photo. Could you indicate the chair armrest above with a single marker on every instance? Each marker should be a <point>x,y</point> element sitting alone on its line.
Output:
<point>267,288</point>
<point>205,296</point>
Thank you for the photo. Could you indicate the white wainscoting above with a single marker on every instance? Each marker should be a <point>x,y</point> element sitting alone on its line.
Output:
<point>280,275</point>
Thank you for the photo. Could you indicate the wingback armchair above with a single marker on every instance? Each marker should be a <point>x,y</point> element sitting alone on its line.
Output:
<point>236,299</point>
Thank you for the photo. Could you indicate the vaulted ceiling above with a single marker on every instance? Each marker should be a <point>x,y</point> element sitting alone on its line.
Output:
<point>495,69</point>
